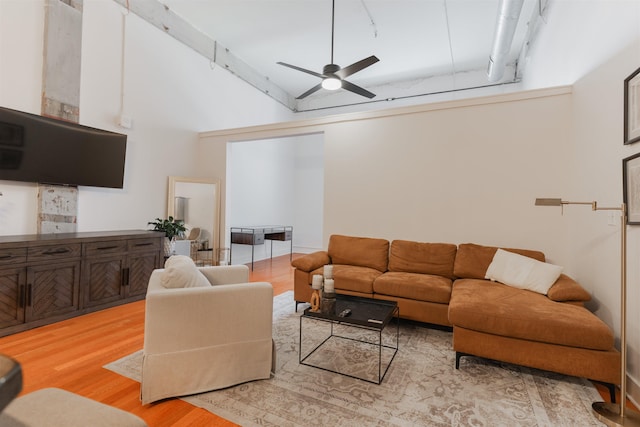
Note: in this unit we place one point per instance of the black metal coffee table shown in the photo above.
(366, 313)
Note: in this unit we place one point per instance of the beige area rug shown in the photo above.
(421, 388)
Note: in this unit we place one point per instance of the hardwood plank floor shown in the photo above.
(70, 355)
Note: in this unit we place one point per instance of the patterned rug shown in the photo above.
(421, 388)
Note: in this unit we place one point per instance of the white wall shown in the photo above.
(464, 174)
(21, 89)
(463, 171)
(170, 92)
(275, 182)
(308, 193)
(594, 45)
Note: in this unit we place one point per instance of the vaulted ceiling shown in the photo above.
(424, 46)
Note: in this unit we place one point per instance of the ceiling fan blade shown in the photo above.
(357, 89)
(313, 73)
(356, 66)
(310, 91)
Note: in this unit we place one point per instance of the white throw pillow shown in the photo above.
(181, 272)
(522, 272)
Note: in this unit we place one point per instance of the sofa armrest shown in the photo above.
(567, 289)
(311, 261)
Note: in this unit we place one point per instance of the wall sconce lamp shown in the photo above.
(612, 414)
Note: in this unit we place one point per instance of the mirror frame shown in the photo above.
(171, 194)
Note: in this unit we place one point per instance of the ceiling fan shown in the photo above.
(333, 77)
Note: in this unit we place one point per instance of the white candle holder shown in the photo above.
(316, 282)
(328, 271)
(329, 286)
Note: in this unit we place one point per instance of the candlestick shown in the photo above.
(328, 271)
(316, 281)
(329, 286)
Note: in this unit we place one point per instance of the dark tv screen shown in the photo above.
(49, 151)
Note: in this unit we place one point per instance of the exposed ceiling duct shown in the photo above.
(508, 16)
(454, 39)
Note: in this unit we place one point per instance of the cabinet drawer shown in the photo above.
(105, 248)
(13, 256)
(247, 238)
(137, 245)
(46, 253)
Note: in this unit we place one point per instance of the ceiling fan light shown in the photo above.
(332, 83)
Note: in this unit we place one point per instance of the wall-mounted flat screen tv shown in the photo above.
(49, 151)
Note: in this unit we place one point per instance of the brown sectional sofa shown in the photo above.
(444, 284)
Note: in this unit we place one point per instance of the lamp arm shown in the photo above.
(595, 207)
(592, 204)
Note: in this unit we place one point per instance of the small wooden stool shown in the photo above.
(53, 407)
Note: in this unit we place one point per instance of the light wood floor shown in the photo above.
(70, 355)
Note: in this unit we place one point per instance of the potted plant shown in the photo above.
(172, 229)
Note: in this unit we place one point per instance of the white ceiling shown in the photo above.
(424, 46)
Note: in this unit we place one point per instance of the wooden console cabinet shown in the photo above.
(46, 278)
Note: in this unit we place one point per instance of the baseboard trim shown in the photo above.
(633, 390)
(305, 250)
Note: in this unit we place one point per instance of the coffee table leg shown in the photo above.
(380, 358)
(300, 341)
(301, 359)
(395, 351)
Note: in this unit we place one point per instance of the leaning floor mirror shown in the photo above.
(196, 201)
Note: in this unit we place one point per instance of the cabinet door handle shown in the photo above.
(29, 295)
(21, 296)
(3, 257)
(144, 244)
(125, 276)
(106, 248)
(56, 251)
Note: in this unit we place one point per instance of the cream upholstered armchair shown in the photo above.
(205, 328)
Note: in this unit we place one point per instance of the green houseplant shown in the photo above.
(172, 229)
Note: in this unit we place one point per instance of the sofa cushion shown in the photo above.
(498, 309)
(414, 286)
(473, 260)
(522, 272)
(181, 272)
(359, 251)
(567, 289)
(425, 258)
(352, 278)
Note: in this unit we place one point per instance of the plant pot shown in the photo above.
(169, 246)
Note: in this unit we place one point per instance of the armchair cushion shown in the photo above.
(57, 407)
(181, 272)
